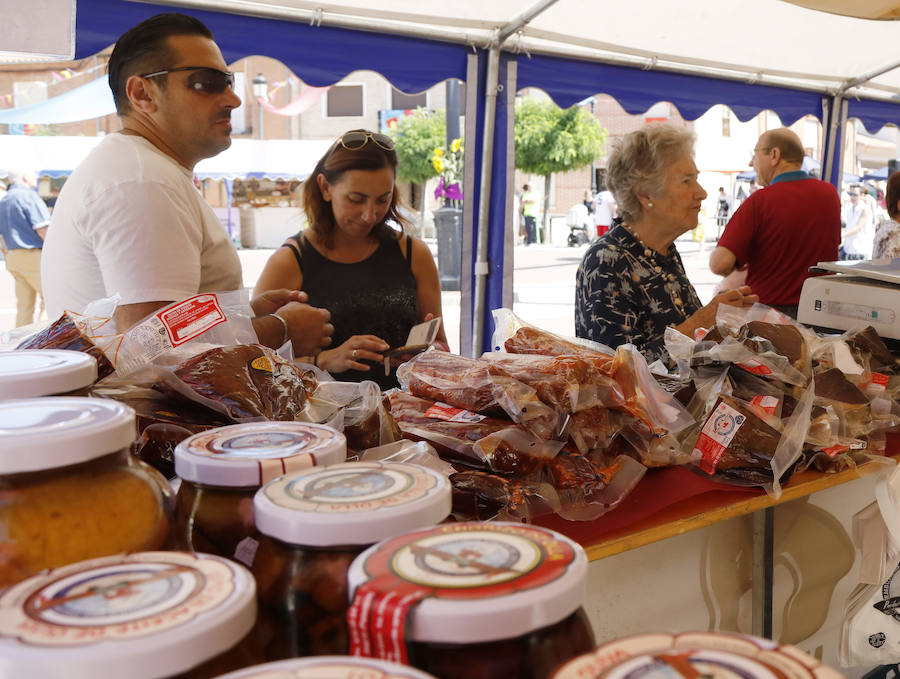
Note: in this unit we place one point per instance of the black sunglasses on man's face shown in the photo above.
(205, 79)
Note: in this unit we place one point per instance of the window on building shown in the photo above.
(726, 121)
(402, 102)
(345, 101)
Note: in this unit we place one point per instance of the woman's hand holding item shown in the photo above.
(706, 316)
(351, 354)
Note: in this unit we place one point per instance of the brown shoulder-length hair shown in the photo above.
(336, 161)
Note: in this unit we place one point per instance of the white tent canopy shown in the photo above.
(768, 41)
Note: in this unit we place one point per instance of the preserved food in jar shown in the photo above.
(695, 654)
(69, 487)
(314, 523)
(149, 615)
(472, 601)
(222, 468)
(330, 666)
(26, 374)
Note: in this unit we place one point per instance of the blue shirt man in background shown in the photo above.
(22, 213)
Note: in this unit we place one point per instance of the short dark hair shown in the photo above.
(892, 196)
(336, 161)
(142, 49)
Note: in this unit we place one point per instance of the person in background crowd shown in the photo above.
(129, 220)
(887, 235)
(588, 201)
(859, 229)
(528, 210)
(631, 284)
(22, 216)
(604, 211)
(377, 282)
(783, 229)
(723, 209)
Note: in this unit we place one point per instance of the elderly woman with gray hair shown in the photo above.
(631, 284)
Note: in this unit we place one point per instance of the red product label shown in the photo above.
(766, 403)
(700, 333)
(835, 450)
(755, 367)
(879, 379)
(718, 430)
(411, 567)
(442, 411)
(191, 318)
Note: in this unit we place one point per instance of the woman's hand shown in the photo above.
(349, 355)
(706, 316)
(272, 300)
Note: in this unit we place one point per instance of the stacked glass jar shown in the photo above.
(314, 524)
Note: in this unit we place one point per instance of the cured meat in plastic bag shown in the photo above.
(454, 432)
(481, 496)
(479, 386)
(75, 332)
(246, 382)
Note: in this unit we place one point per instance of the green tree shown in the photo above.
(550, 139)
(416, 136)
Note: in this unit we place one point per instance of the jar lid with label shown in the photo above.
(354, 503)
(146, 615)
(45, 372)
(718, 655)
(472, 582)
(250, 454)
(56, 431)
(330, 666)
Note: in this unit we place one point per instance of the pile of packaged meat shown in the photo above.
(542, 424)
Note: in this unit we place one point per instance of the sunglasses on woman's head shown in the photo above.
(206, 80)
(354, 141)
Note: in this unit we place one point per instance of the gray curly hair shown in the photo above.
(639, 164)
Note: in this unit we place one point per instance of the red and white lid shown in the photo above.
(354, 503)
(476, 581)
(717, 655)
(146, 615)
(251, 454)
(329, 667)
(57, 431)
(45, 372)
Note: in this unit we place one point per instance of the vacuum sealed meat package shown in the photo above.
(867, 343)
(358, 408)
(75, 332)
(464, 436)
(480, 496)
(477, 385)
(849, 402)
(245, 382)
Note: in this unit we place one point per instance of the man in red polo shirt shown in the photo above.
(783, 229)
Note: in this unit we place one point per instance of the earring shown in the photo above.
(649, 204)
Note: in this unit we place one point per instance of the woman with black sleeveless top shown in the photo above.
(377, 282)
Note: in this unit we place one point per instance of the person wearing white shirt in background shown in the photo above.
(859, 230)
(604, 211)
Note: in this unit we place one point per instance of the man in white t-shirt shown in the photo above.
(604, 211)
(130, 221)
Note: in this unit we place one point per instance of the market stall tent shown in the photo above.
(750, 56)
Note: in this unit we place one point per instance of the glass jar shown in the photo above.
(221, 469)
(69, 488)
(695, 654)
(149, 615)
(314, 524)
(330, 666)
(46, 372)
(472, 601)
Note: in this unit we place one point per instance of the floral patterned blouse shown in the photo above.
(626, 292)
(887, 240)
